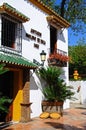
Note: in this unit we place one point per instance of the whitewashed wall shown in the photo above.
(83, 92)
(37, 22)
(81, 95)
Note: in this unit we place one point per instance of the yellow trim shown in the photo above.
(18, 95)
(55, 21)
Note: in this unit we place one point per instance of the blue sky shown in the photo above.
(71, 36)
(74, 38)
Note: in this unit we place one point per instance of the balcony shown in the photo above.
(58, 58)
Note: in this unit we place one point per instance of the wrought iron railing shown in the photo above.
(58, 57)
(58, 51)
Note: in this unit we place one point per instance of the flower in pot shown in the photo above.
(55, 90)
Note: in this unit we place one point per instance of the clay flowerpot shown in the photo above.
(52, 106)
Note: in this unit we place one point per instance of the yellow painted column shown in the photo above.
(18, 95)
(17, 107)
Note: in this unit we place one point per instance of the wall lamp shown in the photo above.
(43, 57)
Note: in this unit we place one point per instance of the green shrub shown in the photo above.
(55, 88)
(4, 101)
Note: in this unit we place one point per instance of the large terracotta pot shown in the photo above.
(50, 106)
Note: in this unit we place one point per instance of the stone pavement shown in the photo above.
(73, 119)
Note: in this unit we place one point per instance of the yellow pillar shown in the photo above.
(18, 95)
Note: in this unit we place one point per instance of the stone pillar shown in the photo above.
(25, 106)
(25, 112)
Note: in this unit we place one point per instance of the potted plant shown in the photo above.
(55, 90)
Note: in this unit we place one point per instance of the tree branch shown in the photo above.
(62, 8)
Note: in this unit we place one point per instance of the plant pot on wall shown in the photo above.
(52, 106)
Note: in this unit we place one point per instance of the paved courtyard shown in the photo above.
(73, 119)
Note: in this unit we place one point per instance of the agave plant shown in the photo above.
(55, 88)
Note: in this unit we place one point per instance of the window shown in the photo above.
(11, 36)
(53, 38)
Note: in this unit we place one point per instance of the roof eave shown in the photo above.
(53, 20)
(49, 11)
(16, 61)
(6, 8)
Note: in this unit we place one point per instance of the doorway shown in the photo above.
(53, 39)
(6, 88)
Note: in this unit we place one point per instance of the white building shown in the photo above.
(26, 28)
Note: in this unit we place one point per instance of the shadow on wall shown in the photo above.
(33, 84)
(36, 82)
(84, 102)
(26, 1)
(24, 34)
(61, 36)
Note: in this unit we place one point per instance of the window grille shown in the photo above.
(11, 33)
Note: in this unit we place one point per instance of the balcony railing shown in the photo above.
(58, 57)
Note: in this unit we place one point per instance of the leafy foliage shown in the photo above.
(50, 74)
(3, 103)
(3, 99)
(77, 54)
(3, 69)
(49, 2)
(55, 89)
(73, 11)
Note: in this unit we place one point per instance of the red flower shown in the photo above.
(58, 56)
